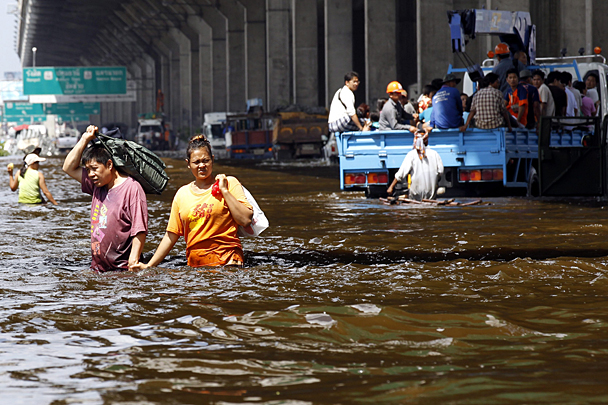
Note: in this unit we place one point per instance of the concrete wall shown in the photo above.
(222, 52)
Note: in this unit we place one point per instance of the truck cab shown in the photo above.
(150, 131)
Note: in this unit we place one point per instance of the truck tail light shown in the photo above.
(377, 178)
(486, 174)
(360, 178)
(475, 175)
(497, 174)
(354, 179)
(481, 175)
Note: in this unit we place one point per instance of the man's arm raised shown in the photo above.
(71, 165)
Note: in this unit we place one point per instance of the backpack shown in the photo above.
(138, 162)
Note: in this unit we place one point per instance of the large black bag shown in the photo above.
(138, 162)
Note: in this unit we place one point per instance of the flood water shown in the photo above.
(343, 300)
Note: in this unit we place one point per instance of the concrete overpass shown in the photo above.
(213, 55)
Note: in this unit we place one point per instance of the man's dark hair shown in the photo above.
(565, 77)
(428, 89)
(553, 76)
(374, 116)
(491, 78)
(512, 71)
(350, 75)
(437, 83)
(96, 152)
(504, 56)
(540, 73)
(483, 83)
(580, 86)
(595, 75)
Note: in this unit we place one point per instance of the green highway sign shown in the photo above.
(74, 80)
(22, 109)
(25, 119)
(72, 108)
(76, 117)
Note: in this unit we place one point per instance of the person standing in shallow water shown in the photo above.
(119, 210)
(207, 218)
(30, 181)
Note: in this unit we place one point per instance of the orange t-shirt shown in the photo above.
(207, 225)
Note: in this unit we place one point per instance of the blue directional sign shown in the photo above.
(74, 80)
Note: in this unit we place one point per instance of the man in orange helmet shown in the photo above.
(505, 63)
(392, 114)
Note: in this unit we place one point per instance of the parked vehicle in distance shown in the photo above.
(214, 126)
(150, 131)
(280, 135)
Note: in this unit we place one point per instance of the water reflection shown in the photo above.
(343, 300)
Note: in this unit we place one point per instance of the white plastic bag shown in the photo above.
(259, 222)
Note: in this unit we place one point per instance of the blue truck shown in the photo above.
(565, 157)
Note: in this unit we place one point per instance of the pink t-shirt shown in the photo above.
(117, 215)
(587, 107)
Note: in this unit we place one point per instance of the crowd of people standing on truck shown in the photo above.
(510, 96)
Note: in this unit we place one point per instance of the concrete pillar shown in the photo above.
(305, 47)
(219, 27)
(136, 74)
(599, 34)
(235, 43)
(338, 44)
(278, 53)
(380, 48)
(205, 65)
(255, 48)
(573, 36)
(173, 110)
(185, 78)
(434, 45)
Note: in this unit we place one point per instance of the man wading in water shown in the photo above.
(119, 211)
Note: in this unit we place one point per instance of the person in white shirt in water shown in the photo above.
(424, 165)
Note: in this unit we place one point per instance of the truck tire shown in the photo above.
(375, 191)
(533, 184)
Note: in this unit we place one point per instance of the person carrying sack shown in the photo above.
(119, 210)
(342, 112)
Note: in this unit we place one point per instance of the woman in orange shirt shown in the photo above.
(207, 215)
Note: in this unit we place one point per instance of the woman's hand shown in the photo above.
(223, 183)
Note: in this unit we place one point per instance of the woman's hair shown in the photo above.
(198, 142)
(23, 170)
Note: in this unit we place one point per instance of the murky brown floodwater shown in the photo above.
(343, 300)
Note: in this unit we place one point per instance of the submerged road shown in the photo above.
(343, 300)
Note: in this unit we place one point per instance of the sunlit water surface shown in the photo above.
(343, 300)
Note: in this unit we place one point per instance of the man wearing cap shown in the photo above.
(119, 211)
(392, 114)
(525, 78)
(505, 63)
(30, 181)
(447, 105)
